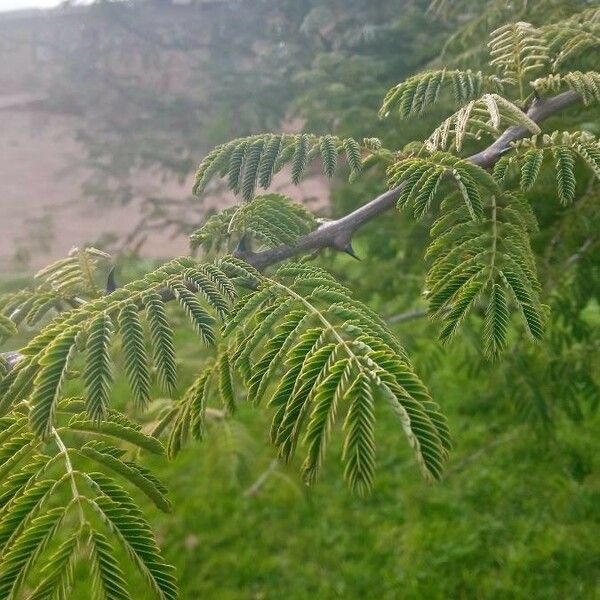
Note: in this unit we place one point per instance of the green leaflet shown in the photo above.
(359, 444)
(269, 220)
(134, 350)
(202, 321)
(269, 160)
(98, 366)
(565, 176)
(248, 162)
(226, 384)
(49, 380)
(299, 158)
(497, 320)
(107, 577)
(478, 263)
(58, 572)
(140, 477)
(353, 156)
(418, 180)
(329, 153)
(161, 336)
(117, 427)
(419, 92)
(251, 165)
(7, 328)
(236, 162)
(326, 399)
(135, 535)
(18, 561)
(532, 161)
(190, 415)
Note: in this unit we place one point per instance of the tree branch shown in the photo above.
(410, 315)
(261, 480)
(11, 358)
(337, 234)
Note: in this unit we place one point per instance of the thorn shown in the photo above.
(348, 249)
(242, 245)
(111, 283)
(12, 358)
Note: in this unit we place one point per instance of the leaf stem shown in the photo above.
(70, 471)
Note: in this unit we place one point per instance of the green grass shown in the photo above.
(516, 516)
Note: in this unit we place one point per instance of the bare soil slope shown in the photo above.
(43, 212)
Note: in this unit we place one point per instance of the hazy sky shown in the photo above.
(14, 4)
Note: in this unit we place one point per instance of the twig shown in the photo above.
(255, 487)
(11, 358)
(410, 315)
(471, 458)
(337, 234)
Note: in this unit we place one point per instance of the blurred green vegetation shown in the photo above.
(516, 516)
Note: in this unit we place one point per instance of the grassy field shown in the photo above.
(516, 516)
